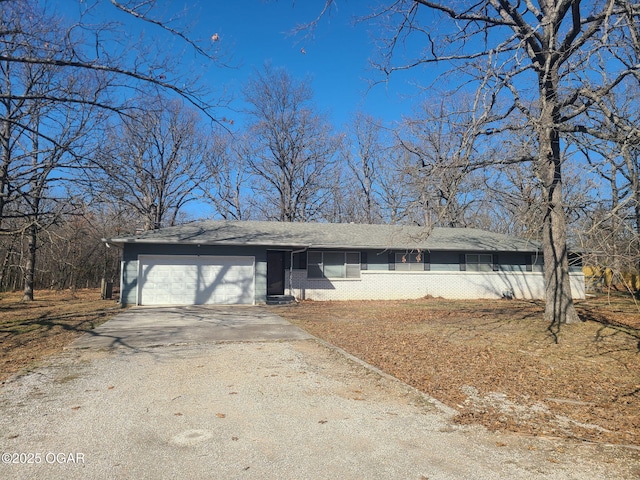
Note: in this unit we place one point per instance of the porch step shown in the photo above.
(280, 299)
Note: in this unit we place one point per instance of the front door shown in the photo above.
(275, 272)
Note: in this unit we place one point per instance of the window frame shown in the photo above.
(413, 262)
(478, 265)
(350, 269)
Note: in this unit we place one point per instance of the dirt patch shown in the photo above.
(498, 363)
(33, 330)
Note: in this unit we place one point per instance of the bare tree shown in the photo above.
(524, 56)
(73, 255)
(396, 200)
(226, 178)
(443, 139)
(70, 251)
(515, 198)
(52, 72)
(365, 152)
(611, 144)
(40, 137)
(40, 209)
(151, 162)
(292, 146)
(341, 202)
(89, 41)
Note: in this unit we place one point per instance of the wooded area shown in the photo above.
(538, 136)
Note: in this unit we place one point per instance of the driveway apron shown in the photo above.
(141, 327)
(239, 393)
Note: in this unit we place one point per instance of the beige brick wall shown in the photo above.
(385, 285)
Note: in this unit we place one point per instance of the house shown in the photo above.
(244, 262)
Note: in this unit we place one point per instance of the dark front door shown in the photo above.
(275, 272)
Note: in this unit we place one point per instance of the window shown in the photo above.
(333, 265)
(479, 262)
(409, 261)
(534, 263)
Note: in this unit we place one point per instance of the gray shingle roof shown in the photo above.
(330, 235)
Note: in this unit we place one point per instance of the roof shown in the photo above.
(329, 235)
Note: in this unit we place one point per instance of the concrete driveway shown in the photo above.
(238, 393)
(143, 327)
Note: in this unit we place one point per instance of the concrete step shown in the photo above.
(280, 299)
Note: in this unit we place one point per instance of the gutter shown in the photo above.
(110, 242)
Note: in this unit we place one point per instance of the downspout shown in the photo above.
(291, 270)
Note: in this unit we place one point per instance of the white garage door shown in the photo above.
(195, 280)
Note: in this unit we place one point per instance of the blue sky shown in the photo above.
(335, 58)
(252, 32)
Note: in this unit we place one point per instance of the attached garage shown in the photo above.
(248, 262)
(195, 280)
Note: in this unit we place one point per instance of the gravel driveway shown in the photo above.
(254, 408)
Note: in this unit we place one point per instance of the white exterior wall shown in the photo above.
(391, 285)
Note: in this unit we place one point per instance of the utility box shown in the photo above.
(106, 290)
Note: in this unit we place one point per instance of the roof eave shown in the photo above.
(120, 242)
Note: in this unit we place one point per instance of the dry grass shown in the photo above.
(497, 362)
(31, 331)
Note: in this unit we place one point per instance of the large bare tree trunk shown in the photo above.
(30, 267)
(35, 193)
(559, 306)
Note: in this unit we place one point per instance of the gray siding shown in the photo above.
(376, 260)
(130, 264)
(129, 284)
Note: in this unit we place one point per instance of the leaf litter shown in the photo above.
(497, 363)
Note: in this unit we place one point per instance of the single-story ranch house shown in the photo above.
(244, 262)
